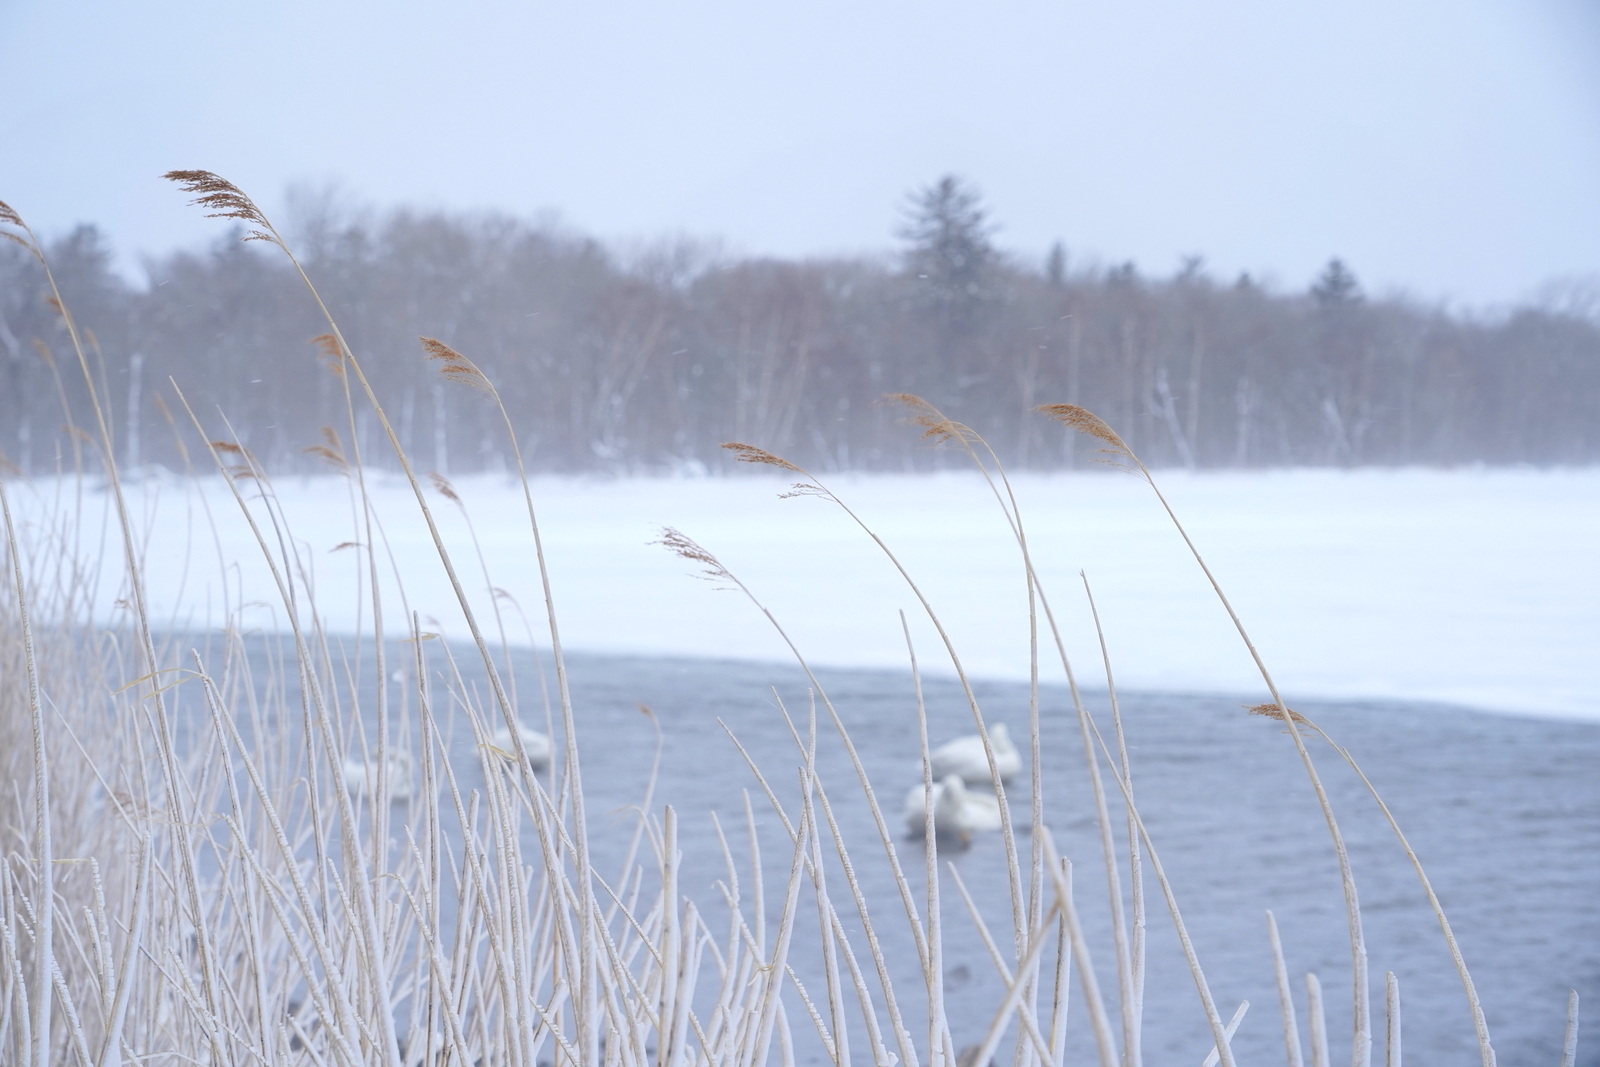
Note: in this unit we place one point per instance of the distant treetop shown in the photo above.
(948, 231)
(1336, 286)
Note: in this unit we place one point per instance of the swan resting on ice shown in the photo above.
(957, 812)
(534, 743)
(965, 757)
(361, 776)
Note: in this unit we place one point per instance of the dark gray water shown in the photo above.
(1504, 813)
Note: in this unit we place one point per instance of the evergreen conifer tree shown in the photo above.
(950, 257)
(1336, 286)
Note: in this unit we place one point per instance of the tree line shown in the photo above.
(645, 361)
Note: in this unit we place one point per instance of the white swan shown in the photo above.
(965, 756)
(956, 812)
(361, 776)
(534, 743)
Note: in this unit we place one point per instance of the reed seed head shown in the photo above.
(331, 450)
(442, 484)
(751, 454)
(805, 489)
(936, 427)
(224, 200)
(242, 471)
(457, 368)
(685, 547)
(9, 217)
(1086, 422)
(1274, 711)
(332, 352)
(1116, 453)
(327, 455)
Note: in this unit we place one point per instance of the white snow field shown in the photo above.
(1477, 587)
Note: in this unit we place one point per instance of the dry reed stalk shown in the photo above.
(1474, 1003)
(939, 1051)
(1569, 1040)
(209, 988)
(1017, 987)
(230, 202)
(1291, 1028)
(43, 933)
(1130, 956)
(1228, 1031)
(813, 486)
(1391, 1014)
(1207, 1002)
(107, 454)
(941, 429)
(1061, 874)
(1084, 421)
(1319, 1022)
(713, 569)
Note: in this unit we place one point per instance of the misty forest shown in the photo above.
(644, 359)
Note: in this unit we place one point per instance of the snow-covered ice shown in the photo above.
(1477, 587)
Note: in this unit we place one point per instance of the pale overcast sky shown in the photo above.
(1450, 147)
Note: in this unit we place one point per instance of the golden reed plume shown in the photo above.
(331, 452)
(1087, 422)
(224, 200)
(1273, 711)
(936, 426)
(751, 454)
(457, 368)
(684, 546)
(9, 217)
(332, 352)
(442, 485)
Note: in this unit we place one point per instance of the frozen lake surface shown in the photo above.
(1473, 587)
